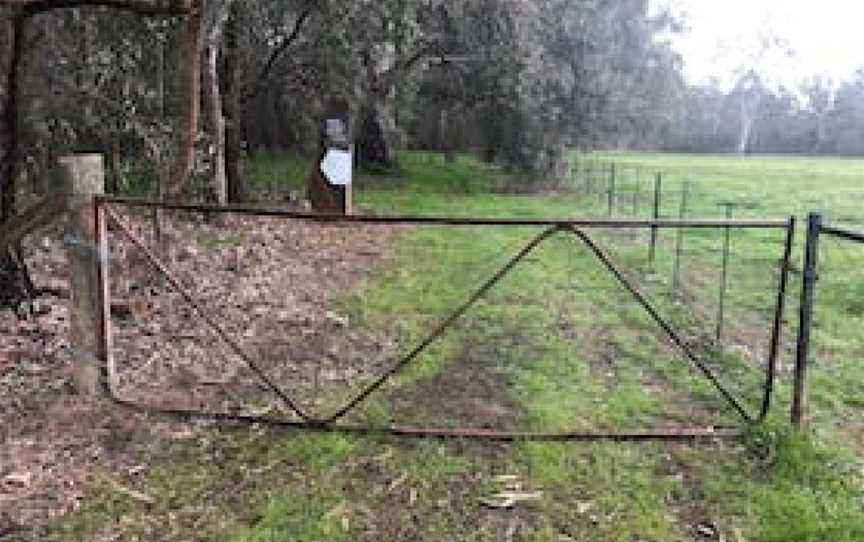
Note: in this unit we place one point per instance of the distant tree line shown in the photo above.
(818, 117)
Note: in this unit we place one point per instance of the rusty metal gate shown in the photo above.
(109, 217)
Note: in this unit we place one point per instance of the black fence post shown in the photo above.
(679, 240)
(658, 187)
(805, 320)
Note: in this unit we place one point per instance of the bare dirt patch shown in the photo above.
(471, 391)
(271, 284)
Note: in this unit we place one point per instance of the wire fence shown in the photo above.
(694, 264)
(829, 310)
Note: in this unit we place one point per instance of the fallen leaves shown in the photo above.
(270, 281)
(18, 480)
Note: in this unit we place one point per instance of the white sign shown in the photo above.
(338, 167)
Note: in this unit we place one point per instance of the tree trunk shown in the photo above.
(745, 129)
(190, 59)
(214, 119)
(10, 49)
(233, 109)
(446, 135)
(372, 144)
(215, 125)
(749, 112)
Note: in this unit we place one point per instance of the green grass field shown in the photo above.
(780, 186)
(558, 346)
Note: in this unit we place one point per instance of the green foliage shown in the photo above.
(424, 173)
(275, 175)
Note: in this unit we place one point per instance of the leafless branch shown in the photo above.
(274, 56)
(152, 8)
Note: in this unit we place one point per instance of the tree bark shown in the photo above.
(11, 24)
(372, 144)
(190, 59)
(214, 119)
(214, 122)
(233, 111)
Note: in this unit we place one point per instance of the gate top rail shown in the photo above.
(842, 233)
(443, 221)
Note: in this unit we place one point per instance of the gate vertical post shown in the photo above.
(83, 177)
(805, 320)
(779, 314)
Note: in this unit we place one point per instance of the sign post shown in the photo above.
(333, 172)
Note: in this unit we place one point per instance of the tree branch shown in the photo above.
(151, 8)
(390, 77)
(274, 57)
(217, 25)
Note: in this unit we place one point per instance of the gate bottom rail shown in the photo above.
(650, 435)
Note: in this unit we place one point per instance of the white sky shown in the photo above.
(827, 37)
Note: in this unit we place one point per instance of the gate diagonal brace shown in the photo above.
(660, 321)
(445, 324)
(484, 289)
(232, 344)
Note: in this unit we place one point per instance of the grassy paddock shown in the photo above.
(563, 348)
(783, 186)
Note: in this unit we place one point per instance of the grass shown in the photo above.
(783, 186)
(557, 346)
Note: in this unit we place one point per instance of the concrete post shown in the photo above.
(83, 177)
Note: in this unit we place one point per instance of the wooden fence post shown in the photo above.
(83, 177)
(330, 191)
